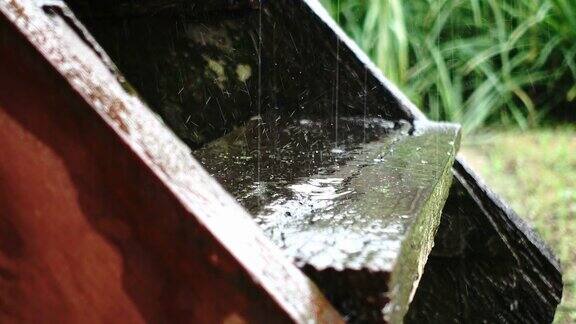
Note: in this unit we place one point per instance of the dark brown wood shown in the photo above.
(359, 218)
(487, 265)
(104, 215)
(135, 8)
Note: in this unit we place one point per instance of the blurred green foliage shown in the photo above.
(505, 62)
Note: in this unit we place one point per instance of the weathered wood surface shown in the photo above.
(301, 66)
(359, 218)
(206, 72)
(104, 215)
(135, 8)
(487, 265)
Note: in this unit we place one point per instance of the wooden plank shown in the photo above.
(303, 65)
(360, 217)
(135, 8)
(487, 265)
(105, 214)
(207, 75)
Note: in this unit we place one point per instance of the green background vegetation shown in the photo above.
(504, 69)
(475, 62)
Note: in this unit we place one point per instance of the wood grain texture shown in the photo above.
(299, 65)
(487, 265)
(309, 68)
(105, 216)
(134, 8)
(360, 219)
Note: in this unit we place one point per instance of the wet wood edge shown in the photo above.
(404, 103)
(495, 209)
(461, 167)
(518, 223)
(171, 161)
(423, 231)
(487, 264)
(491, 203)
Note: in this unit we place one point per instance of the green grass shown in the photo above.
(505, 62)
(536, 173)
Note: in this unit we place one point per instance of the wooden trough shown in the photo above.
(233, 162)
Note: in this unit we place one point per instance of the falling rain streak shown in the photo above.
(337, 83)
(259, 149)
